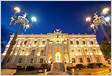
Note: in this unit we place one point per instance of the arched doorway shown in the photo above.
(58, 57)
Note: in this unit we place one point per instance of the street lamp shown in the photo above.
(33, 19)
(99, 19)
(88, 19)
(105, 10)
(17, 9)
(22, 21)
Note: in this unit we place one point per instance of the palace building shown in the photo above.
(54, 47)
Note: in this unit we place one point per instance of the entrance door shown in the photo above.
(58, 57)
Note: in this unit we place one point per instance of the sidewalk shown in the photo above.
(8, 71)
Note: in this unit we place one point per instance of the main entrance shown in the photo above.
(58, 57)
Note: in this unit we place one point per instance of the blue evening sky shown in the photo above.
(67, 16)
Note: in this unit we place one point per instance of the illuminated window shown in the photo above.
(77, 42)
(88, 59)
(58, 57)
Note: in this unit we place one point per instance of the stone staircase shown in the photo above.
(57, 69)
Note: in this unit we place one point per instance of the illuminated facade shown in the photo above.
(55, 47)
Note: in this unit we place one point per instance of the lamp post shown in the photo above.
(100, 20)
(21, 20)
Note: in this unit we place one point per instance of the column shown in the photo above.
(62, 53)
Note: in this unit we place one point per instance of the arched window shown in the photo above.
(84, 42)
(77, 42)
(91, 42)
(43, 42)
(71, 42)
(25, 42)
(35, 42)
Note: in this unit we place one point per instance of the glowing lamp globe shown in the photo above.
(17, 10)
(88, 19)
(107, 19)
(105, 10)
(33, 19)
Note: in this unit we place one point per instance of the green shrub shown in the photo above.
(99, 65)
(92, 65)
(79, 66)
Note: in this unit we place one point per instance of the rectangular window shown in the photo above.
(73, 60)
(77, 42)
(41, 60)
(97, 59)
(33, 52)
(71, 42)
(72, 50)
(35, 42)
(31, 60)
(91, 42)
(84, 43)
(20, 60)
(21, 42)
(25, 42)
(88, 59)
(80, 60)
(42, 52)
(43, 42)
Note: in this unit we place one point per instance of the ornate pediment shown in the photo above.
(57, 36)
